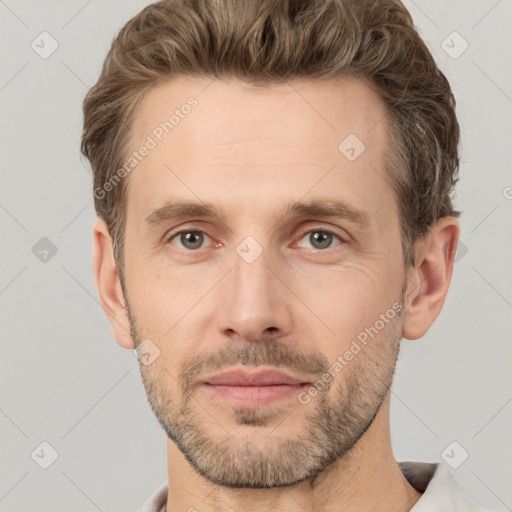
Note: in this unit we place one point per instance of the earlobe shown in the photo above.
(429, 280)
(109, 285)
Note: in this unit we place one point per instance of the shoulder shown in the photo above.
(439, 488)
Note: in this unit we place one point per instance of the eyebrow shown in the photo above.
(330, 208)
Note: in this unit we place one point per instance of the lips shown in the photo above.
(260, 388)
(239, 377)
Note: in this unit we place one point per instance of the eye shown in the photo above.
(193, 239)
(320, 238)
(190, 239)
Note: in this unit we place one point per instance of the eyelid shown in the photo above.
(186, 227)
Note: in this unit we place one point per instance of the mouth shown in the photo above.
(262, 387)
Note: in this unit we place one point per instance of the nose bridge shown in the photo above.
(252, 301)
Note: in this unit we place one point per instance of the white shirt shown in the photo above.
(434, 480)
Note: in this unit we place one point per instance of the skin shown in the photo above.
(249, 151)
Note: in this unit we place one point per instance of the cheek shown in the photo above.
(161, 295)
(347, 298)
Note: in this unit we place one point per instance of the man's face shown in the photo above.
(258, 285)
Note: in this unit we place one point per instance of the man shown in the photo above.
(273, 182)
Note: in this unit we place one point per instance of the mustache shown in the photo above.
(264, 352)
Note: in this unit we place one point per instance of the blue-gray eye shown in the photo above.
(320, 238)
(190, 239)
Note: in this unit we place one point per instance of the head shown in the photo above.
(273, 183)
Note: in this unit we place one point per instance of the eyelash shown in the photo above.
(320, 230)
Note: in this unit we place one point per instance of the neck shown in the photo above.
(366, 478)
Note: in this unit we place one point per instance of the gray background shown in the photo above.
(63, 378)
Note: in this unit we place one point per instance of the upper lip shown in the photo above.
(239, 377)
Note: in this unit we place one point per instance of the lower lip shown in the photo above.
(255, 395)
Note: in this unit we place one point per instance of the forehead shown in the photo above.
(209, 137)
(321, 110)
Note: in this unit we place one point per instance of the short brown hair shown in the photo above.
(272, 41)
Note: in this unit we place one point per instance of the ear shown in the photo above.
(429, 279)
(109, 284)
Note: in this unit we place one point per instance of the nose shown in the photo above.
(253, 301)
